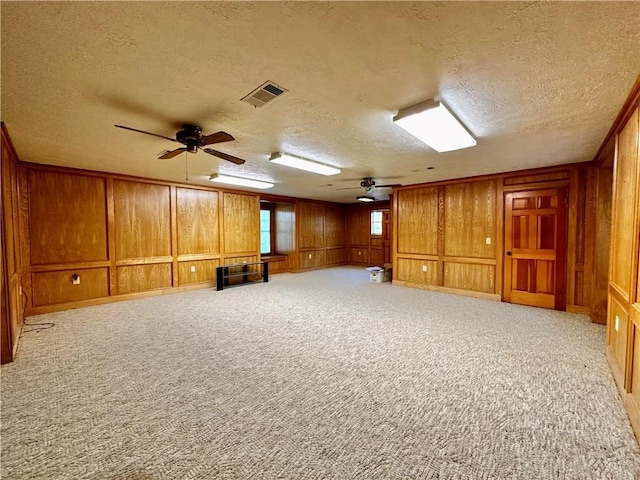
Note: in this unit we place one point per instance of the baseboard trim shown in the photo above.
(455, 291)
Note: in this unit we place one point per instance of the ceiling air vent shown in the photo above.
(264, 94)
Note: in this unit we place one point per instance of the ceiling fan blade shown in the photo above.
(389, 186)
(224, 156)
(146, 133)
(349, 188)
(217, 137)
(171, 153)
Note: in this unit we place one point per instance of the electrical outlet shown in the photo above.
(75, 279)
(359, 252)
(617, 323)
(193, 269)
(488, 240)
(309, 256)
(424, 268)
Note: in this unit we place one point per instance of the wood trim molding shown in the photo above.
(630, 104)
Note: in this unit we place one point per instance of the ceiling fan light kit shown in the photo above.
(241, 182)
(365, 198)
(293, 161)
(432, 123)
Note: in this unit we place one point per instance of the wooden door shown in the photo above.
(534, 247)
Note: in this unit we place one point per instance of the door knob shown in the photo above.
(509, 253)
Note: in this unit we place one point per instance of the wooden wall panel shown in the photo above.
(624, 227)
(634, 386)
(310, 224)
(68, 222)
(142, 220)
(205, 271)
(418, 221)
(618, 332)
(310, 259)
(469, 219)
(376, 256)
(285, 228)
(139, 278)
(51, 288)
(359, 255)
(411, 271)
(467, 276)
(334, 226)
(14, 262)
(241, 223)
(359, 225)
(335, 256)
(279, 264)
(197, 221)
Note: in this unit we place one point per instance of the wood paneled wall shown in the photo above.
(623, 315)
(364, 248)
(321, 235)
(449, 235)
(442, 233)
(121, 236)
(92, 237)
(12, 260)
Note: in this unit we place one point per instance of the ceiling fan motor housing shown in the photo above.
(189, 136)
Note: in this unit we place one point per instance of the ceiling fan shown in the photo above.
(369, 184)
(192, 139)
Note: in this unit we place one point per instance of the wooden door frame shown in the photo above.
(560, 293)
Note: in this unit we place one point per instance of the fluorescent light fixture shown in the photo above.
(432, 123)
(294, 161)
(242, 182)
(365, 198)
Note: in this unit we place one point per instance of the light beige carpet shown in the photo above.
(321, 375)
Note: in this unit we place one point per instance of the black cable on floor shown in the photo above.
(39, 326)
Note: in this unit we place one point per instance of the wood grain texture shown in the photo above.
(68, 218)
(205, 271)
(139, 278)
(310, 259)
(617, 338)
(241, 215)
(142, 220)
(50, 288)
(335, 234)
(376, 257)
(336, 256)
(602, 244)
(197, 221)
(536, 178)
(285, 228)
(310, 216)
(625, 198)
(411, 271)
(417, 220)
(634, 386)
(469, 212)
(359, 225)
(14, 261)
(467, 276)
(359, 255)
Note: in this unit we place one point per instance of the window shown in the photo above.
(265, 232)
(376, 222)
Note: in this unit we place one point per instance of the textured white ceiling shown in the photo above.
(536, 83)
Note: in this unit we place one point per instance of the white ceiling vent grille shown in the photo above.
(264, 94)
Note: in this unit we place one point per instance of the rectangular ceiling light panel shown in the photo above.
(432, 123)
(241, 182)
(300, 163)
